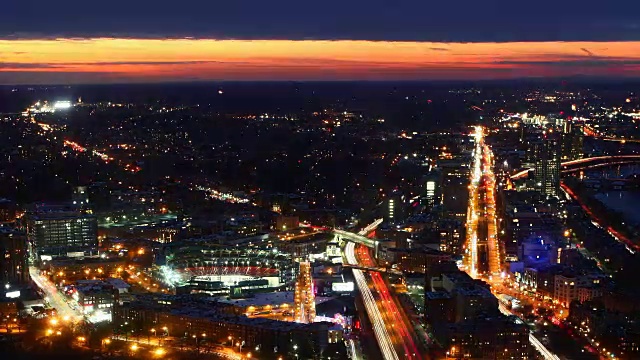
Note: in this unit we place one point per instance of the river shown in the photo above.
(625, 202)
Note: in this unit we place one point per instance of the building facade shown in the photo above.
(192, 318)
(572, 141)
(56, 234)
(13, 257)
(547, 157)
(489, 338)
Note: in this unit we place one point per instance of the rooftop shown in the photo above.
(435, 295)
(261, 299)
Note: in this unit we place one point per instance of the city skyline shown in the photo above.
(320, 180)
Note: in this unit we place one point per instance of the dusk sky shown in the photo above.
(73, 41)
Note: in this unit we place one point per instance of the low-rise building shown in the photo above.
(70, 270)
(413, 260)
(95, 296)
(565, 288)
(284, 223)
(197, 317)
(499, 337)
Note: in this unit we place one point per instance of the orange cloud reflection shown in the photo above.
(129, 60)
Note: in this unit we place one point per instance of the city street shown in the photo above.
(152, 345)
(54, 297)
(481, 210)
(482, 206)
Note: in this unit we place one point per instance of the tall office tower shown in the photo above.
(572, 141)
(393, 210)
(55, 232)
(432, 194)
(547, 165)
(13, 257)
(305, 305)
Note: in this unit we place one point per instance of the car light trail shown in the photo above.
(55, 298)
(490, 212)
(472, 210)
(379, 328)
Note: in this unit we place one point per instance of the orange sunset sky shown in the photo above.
(149, 60)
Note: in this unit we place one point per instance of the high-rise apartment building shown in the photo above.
(547, 165)
(572, 141)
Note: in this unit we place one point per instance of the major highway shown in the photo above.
(398, 324)
(392, 328)
(373, 312)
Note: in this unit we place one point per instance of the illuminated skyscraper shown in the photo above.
(572, 141)
(394, 210)
(547, 165)
(305, 305)
(433, 189)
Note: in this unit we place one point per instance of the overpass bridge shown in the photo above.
(586, 164)
(356, 238)
(376, 269)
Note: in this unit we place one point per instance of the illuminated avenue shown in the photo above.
(481, 213)
(482, 208)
